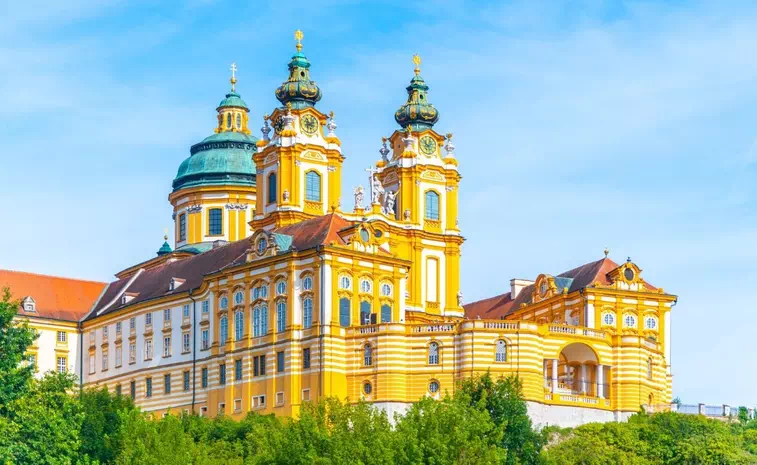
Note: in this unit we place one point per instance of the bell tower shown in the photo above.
(423, 182)
(299, 159)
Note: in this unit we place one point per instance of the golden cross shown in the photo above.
(417, 61)
(233, 69)
(298, 35)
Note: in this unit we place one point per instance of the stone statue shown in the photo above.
(286, 195)
(376, 190)
(359, 194)
(406, 214)
(459, 298)
(389, 199)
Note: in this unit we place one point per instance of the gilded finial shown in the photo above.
(266, 117)
(233, 79)
(331, 114)
(289, 105)
(298, 35)
(607, 252)
(449, 136)
(417, 61)
(165, 234)
(409, 129)
(384, 139)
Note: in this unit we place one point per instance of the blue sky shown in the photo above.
(579, 125)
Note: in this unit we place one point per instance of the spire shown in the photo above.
(232, 111)
(298, 89)
(165, 248)
(417, 111)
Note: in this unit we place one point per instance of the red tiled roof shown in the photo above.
(322, 230)
(55, 297)
(502, 305)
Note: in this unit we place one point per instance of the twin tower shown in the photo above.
(234, 183)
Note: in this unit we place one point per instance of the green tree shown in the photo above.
(15, 339)
(101, 426)
(503, 400)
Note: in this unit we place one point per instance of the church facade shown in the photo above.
(277, 294)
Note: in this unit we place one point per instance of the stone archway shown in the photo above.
(576, 371)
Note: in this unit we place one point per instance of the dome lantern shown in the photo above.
(417, 111)
(298, 89)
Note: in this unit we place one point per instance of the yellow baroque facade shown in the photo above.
(278, 294)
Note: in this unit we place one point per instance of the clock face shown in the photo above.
(278, 124)
(309, 124)
(428, 145)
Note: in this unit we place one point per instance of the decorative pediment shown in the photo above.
(267, 244)
(627, 277)
(544, 288)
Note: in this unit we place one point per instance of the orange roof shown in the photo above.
(55, 297)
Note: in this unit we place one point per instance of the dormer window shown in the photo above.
(127, 297)
(29, 305)
(175, 283)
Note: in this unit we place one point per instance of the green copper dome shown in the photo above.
(232, 100)
(299, 90)
(164, 249)
(417, 111)
(221, 159)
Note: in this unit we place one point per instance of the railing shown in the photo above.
(722, 412)
(577, 331)
(372, 329)
(443, 328)
(650, 344)
(688, 409)
(500, 325)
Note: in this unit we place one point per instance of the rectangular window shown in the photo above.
(133, 390)
(148, 319)
(306, 358)
(167, 346)
(386, 313)
(215, 222)
(280, 362)
(118, 356)
(132, 352)
(222, 373)
(237, 405)
(258, 401)
(203, 411)
(91, 363)
(238, 370)
(167, 383)
(182, 227)
(105, 332)
(432, 206)
(118, 390)
(344, 312)
(279, 398)
(281, 316)
(148, 349)
(256, 366)
(205, 339)
(118, 327)
(186, 381)
(185, 311)
(167, 314)
(272, 188)
(204, 377)
(61, 336)
(185, 339)
(306, 395)
(148, 387)
(62, 364)
(432, 276)
(313, 186)
(205, 306)
(133, 323)
(105, 360)
(222, 408)
(33, 362)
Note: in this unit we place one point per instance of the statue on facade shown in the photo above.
(389, 198)
(376, 190)
(459, 298)
(359, 194)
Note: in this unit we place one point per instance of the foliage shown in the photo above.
(15, 338)
(663, 438)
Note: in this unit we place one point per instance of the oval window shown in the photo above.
(367, 388)
(433, 387)
(629, 274)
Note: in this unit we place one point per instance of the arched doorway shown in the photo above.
(576, 371)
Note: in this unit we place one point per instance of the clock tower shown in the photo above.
(299, 159)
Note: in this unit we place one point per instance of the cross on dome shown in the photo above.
(233, 69)
(298, 36)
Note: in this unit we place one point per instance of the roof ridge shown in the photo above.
(53, 276)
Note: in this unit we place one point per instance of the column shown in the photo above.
(544, 367)
(554, 374)
(583, 378)
(600, 381)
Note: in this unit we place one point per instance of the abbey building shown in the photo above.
(278, 292)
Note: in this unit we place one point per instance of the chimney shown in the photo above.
(517, 285)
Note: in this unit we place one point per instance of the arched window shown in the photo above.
(256, 322)
(386, 289)
(238, 298)
(433, 386)
(432, 206)
(365, 286)
(649, 368)
(281, 316)
(223, 330)
(239, 121)
(263, 319)
(238, 326)
(281, 288)
(501, 351)
(272, 188)
(313, 186)
(228, 120)
(307, 313)
(433, 353)
(365, 313)
(224, 304)
(344, 312)
(367, 355)
(386, 313)
(609, 319)
(650, 322)
(215, 222)
(629, 321)
(345, 282)
(307, 283)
